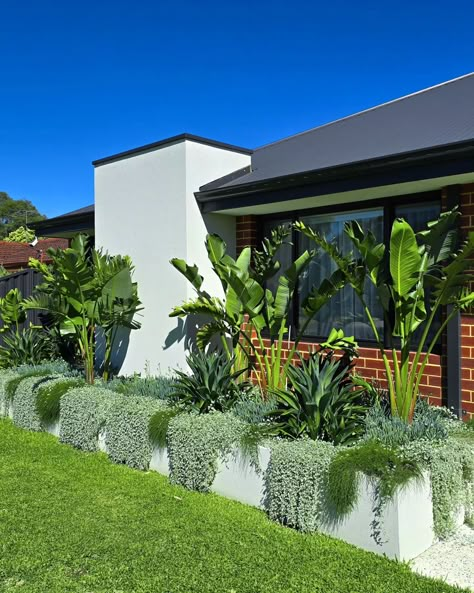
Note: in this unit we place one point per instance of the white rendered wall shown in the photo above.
(145, 207)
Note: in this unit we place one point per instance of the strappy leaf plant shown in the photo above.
(85, 289)
(251, 320)
(417, 277)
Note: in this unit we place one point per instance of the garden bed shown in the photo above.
(287, 479)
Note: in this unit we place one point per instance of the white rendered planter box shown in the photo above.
(53, 428)
(159, 461)
(101, 443)
(406, 523)
(237, 478)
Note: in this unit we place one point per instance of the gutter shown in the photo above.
(442, 161)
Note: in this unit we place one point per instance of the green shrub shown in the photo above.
(195, 441)
(30, 345)
(83, 413)
(429, 423)
(295, 483)
(5, 377)
(127, 437)
(25, 413)
(321, 401)
(253, 409)
(451, 466)
(49, 395)
(11, 385)
(160, 387)
(53, 367)
(212, 384)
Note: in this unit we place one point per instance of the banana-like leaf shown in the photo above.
(405, 258)
(441, 236)
(288, 282)
(191, 273)
(207, 331)
(249, 295)
(216, 248)
(372, 252)
(456, 274)
(201, 305)
(322, 294)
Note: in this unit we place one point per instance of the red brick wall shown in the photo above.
(370, 364)
(246, 229)
(467, 319)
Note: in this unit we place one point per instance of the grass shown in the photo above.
(74, 522)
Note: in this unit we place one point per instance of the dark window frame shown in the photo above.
(388, 205)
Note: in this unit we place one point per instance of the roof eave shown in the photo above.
(449, 159)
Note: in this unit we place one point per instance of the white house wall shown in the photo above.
(145, 208)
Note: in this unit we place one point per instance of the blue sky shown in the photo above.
(83, 80)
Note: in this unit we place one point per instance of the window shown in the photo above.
(344, 310)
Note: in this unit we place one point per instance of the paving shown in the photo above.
(451, 560)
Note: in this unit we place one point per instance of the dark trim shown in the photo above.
(414, 166)
(227, 178)
(453, 332)
(61, 225)
(168, 141)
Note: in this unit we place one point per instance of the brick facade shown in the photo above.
(370, 364)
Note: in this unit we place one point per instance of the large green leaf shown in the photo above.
(372, 252)
(287, 284)
(405, 257)
(191, 273)
(216, 248)
(441, 236)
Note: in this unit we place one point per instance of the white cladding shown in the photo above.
(145, 208)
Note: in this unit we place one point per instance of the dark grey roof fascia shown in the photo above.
(453, 159)
(167, 142)
(75, 221)
(226, 178)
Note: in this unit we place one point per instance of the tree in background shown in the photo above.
(15, 213)
(20, 235)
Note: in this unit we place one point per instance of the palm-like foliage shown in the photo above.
(249, 309)
(320, 401)
(85, 289)
(414, 279)
(212, 384)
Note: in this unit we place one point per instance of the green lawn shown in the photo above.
(71, 521)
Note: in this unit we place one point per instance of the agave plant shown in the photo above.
(321, 401)
(419, 275)
(212, 384)
(28, 346)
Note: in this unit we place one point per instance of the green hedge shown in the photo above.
(83, 413)
(195, 443)
(127, 435)
(25, 414)
(49, 394)
(451, 466)
(296, 482)
(5, 376)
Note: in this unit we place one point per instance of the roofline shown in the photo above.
(167, 142)
(335, 121)
(66, 223)
(450, 159)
